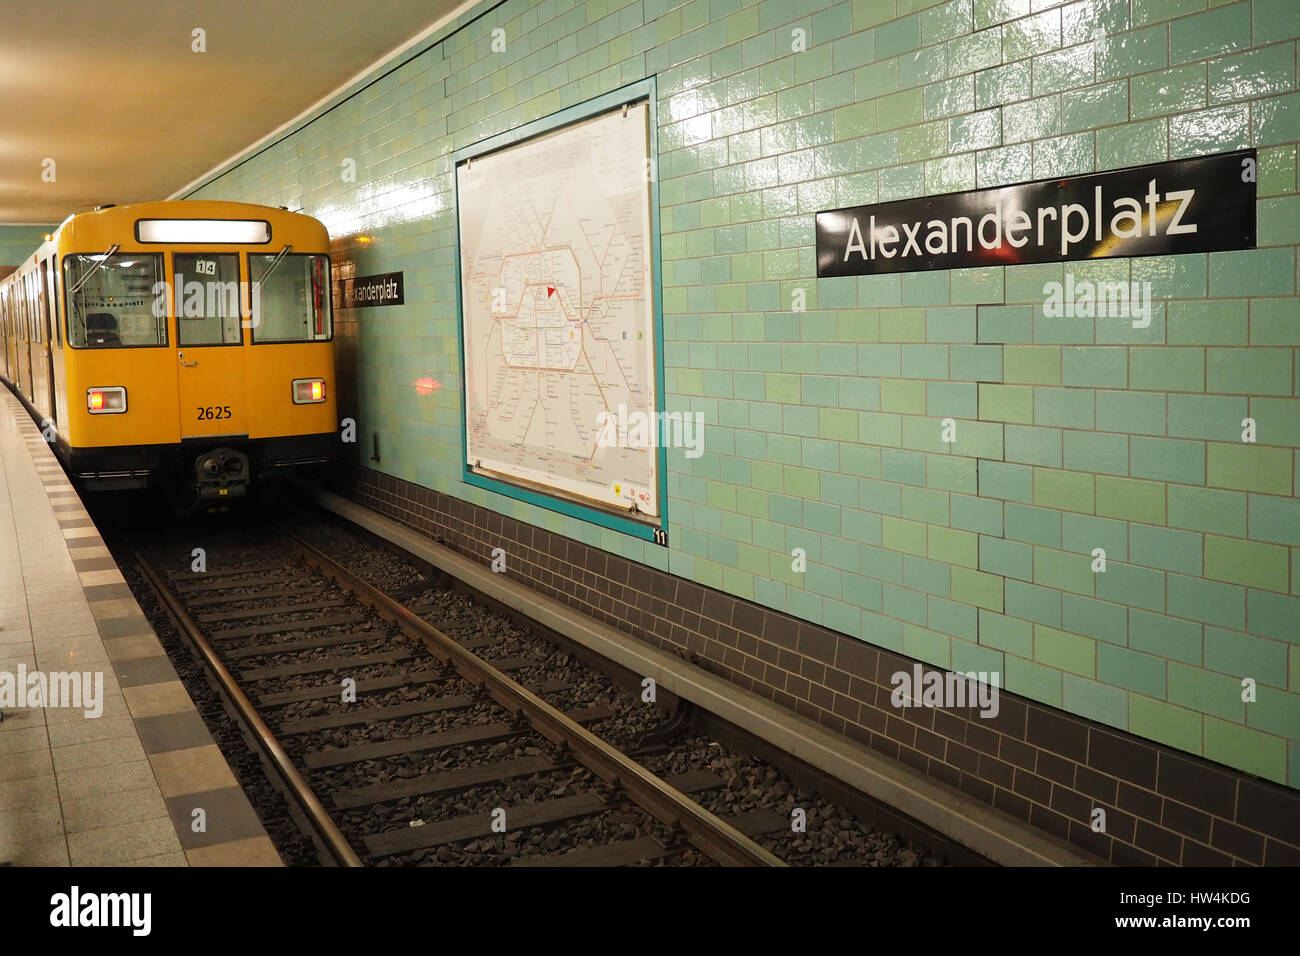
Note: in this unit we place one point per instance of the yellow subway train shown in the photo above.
(181, 344)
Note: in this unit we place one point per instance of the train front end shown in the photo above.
(200, 353)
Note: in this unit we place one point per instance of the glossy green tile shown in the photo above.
(974, 51)
(922, 142)
(1063, 490)
(1168, 91)
(1127, 54)
(1209, 131)
(1277, 170)
(1273, 615)
(1166, 637)
(1251, 750)
(1142, 673)
(1131, 499)
(1133, 144)
(1165, 723)
(1006, 403)
(1260, 72)
(1003, 84)
(1166, 548)
(1276, 19)
(1065, 69)
(975, 131)
(1099, 367)
(1276, 221)
(1276, 120)
(1249, 371)
(1206, 601)
(1031, 365)
(1063, 571)
(992, 12)
(945, 21)
(1095, 700)
(977, 588)
(1247, 562)
(1031, 119)
(1092, 19)
(1033, 446)
(1097, 452)
(1064, 407)
(1258, 272)
(1149, 11)
(1275, 519)
(1249, 468)
(1010, 164)
(1204, 509)
(1068, 652)
(1208, 416)
(1103, 105)
(1167, 369)
(1032, 603)
(1165, 459)
(1008, 558)
(898, 36)
(927, 65)
(1032, 35)
(1208, 34)
(1136, 413)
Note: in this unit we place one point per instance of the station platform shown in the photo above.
(117, 778)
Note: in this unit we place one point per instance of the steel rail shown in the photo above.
(721, 841)
(332, 839)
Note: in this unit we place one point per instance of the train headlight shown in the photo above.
(106, 401)
(308, 391)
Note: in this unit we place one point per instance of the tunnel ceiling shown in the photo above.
(116, 96)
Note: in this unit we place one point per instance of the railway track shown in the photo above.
(398, 743)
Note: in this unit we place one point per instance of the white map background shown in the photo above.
(557, 308)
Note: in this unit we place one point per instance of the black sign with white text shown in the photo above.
(364, 291)
(1190, 205)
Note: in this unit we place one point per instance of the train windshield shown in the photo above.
(291, 297)
(115, 301)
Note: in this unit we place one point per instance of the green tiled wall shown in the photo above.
(19, 242)
(823, 425)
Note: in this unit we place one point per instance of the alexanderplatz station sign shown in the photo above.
(1191, 205)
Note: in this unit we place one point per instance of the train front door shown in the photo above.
(210, 345)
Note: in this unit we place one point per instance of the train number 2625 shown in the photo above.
(209, 412)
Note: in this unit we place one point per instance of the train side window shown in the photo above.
(207, 298)
(118, 302)
(33, 308)
(51, 274)
(42, 303)
(291, 298)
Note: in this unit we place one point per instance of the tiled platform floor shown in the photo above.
(120, 788)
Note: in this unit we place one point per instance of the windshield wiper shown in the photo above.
(275, 262)
(99, 264)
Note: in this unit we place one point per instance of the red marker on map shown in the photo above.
(550, 291)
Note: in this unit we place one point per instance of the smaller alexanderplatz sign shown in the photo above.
(1191, 205)
(362, 291)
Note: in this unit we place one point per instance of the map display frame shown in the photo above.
(560, 316)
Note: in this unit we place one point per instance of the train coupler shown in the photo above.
(222, 473)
